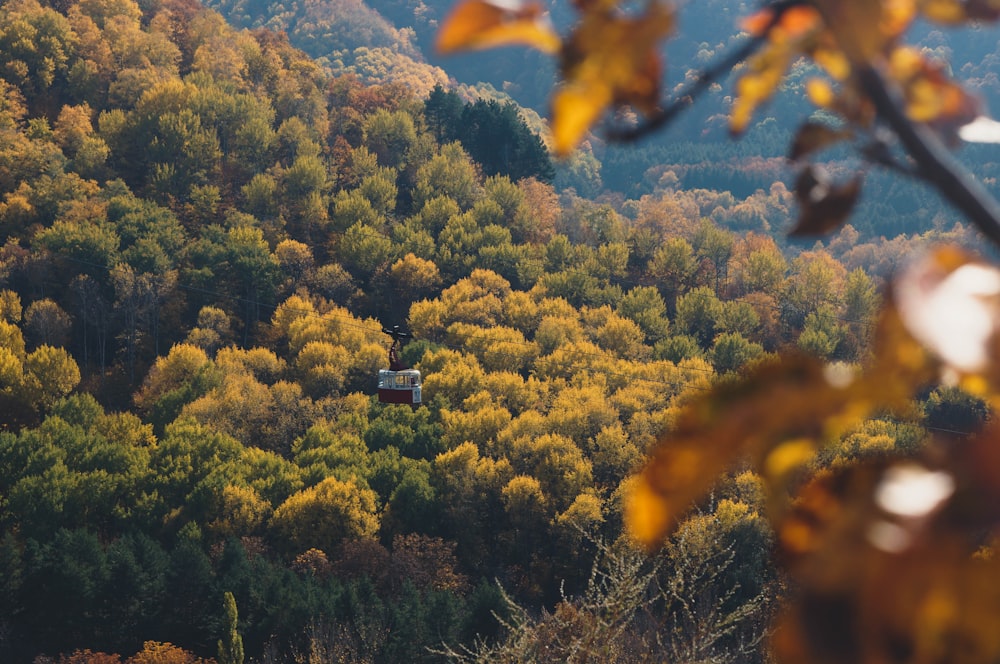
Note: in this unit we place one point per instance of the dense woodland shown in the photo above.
(392, 41)
(204, 233)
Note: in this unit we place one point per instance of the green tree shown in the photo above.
(714, 245)
(390, 135)
(731, 351)
(254, 268)
(673, 265)
(230, 647)
(822, 334)
(861, 303)
(499, 140)
(757, 264)
(443, 112)
(450, 173)
(699, 314)
(364, 251)
(955, 411)
(646, 307)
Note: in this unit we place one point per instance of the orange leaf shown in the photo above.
(646, 514)
(931, 96)
(795, 22)
(479, 24)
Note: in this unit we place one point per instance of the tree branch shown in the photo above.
(705, 79)
(934, 161)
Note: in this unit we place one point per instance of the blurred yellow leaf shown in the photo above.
(820, 93)
(833, 61)
(792, 399)
(787, 458)
(944, 11)
(882, 559)
(479, 24)
(795, 22)
(610, 59)
(766, 69)
(931, 96)
(575, 109)
(864, 29)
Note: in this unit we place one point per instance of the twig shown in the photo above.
(705, 79)
(933, 159)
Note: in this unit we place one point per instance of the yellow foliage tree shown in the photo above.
(325, 515)
(882, 554)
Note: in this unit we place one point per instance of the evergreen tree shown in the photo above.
(231, 644)
(500, 141)
(443, 111)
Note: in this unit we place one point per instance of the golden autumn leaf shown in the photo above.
(954, 12)
(881, 555)
(833, 61)
(609, 59)
(820, 93)
(480, 24)
(787, 37)
(575, 109)
(765, 72)
(930, 95)
(950, 12)
(741, 420)
(864, 29)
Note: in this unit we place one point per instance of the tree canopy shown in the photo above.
(205, 231)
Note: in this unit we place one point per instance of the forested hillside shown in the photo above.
(393, 41)
(204, 233)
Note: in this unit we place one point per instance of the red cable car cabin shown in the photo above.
(399, 383)
(399, 386)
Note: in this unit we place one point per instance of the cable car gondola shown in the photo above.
(399, 383)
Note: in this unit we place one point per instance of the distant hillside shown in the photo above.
(345, 35)
(391, 41)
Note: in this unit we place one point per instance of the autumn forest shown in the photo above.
(207, 220)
